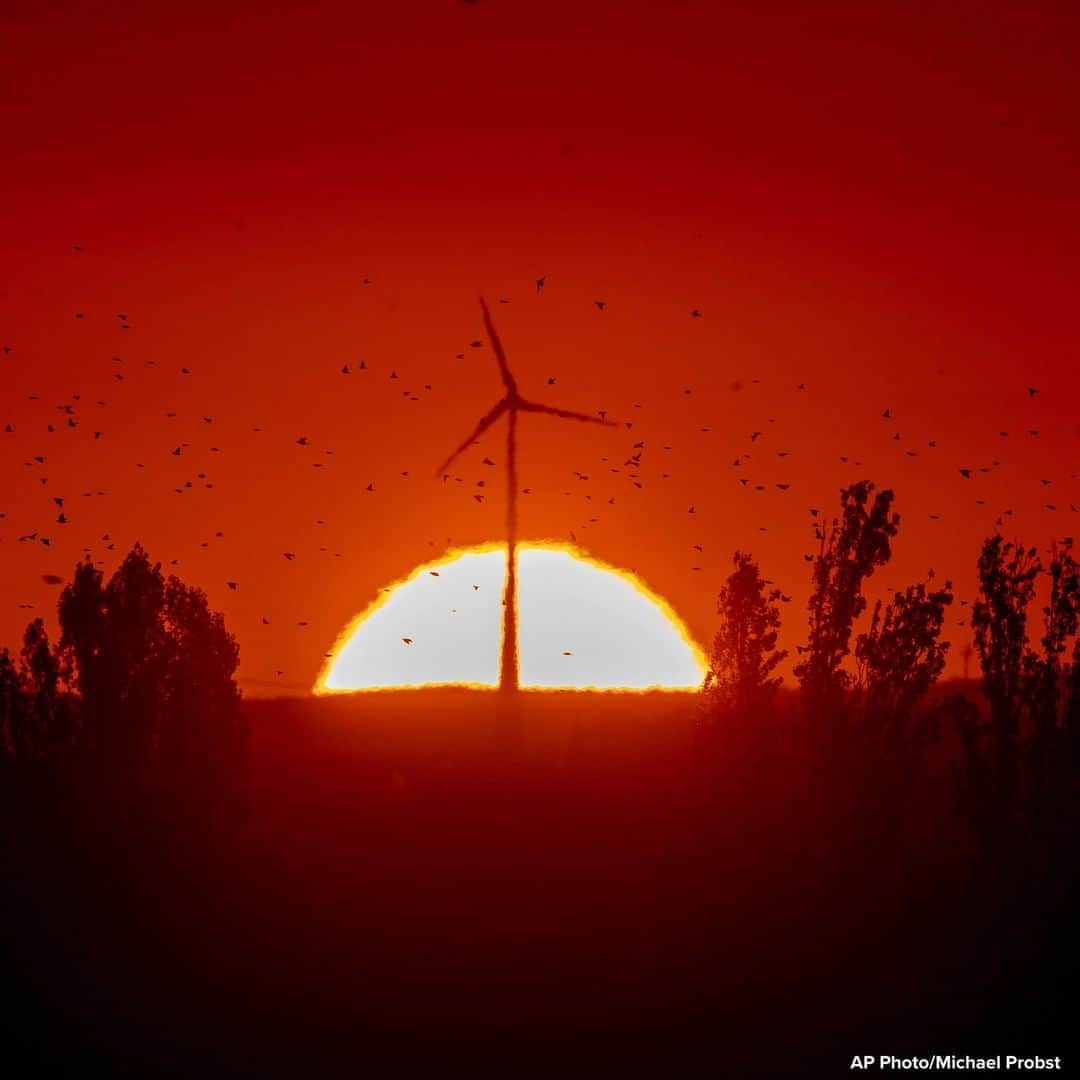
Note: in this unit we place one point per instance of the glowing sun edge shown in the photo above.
(450, 555)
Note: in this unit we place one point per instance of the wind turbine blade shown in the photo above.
(564, 414)
(493, 414)
(496, 344)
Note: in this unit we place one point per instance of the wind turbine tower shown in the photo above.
(511, 403)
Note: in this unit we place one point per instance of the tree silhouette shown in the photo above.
(740, 678)
(114, 636)
(1072, 710)
(898, 659)
(14, 708)
(36, 714)
(200, 697)
(900, 656)
(851, 548)
(1045, 674)
(1007, 575)
(49, 712)
(154, 667)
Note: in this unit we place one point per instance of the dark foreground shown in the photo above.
(618, 895)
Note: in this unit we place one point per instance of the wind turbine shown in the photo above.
(511, 403)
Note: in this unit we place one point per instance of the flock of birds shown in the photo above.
(627, 467)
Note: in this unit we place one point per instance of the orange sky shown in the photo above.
(873, 200)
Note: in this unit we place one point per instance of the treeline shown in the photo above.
(139, 688)
(864, 695)
(141, 683)
(807, 863)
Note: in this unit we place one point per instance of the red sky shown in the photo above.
(879, 201)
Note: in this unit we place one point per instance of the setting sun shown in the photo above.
(583, 624)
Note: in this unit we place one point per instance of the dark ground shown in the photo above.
(616, 896)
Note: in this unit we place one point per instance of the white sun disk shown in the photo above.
(580, 625)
